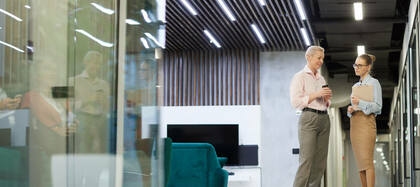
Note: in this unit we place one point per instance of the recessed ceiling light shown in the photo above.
(360, 50)
(11, 15)
(132, 22)
(103, 9)
(305, 36)
(144, 42)
(226, 10)
(150, 36)
(212, 39)
(145, 16)
(258, 33)
(301, 11)
(358, 11)
(189, 7)
(11, 46)
(262, 2)
(100, 42)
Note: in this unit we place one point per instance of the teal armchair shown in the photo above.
(14, 166)
(196, 165)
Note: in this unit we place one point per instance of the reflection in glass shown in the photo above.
(141, 146)
(57, 79)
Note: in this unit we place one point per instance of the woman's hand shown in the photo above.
(355, 100)
(350, 109)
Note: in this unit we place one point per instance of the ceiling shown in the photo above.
(278, 21)
(331, 24)
(381, 31)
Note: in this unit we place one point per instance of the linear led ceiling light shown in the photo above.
(11, 15)
(305, 36)
(262, 2)
(144, 42)
(132, 22)
(226, 10)
(189, 7)
(100, 42)
(154, 39)
(103, 9)
(212, 39)
(358, 11)
(301, 11)
(27, 6)
(11, 46)
(360, 50)
(145, 16)
(258, 33)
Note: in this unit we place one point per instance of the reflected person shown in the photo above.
(48, 124)
(7, 103)
(92, 105)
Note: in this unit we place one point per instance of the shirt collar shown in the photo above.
(365, 80)
(309, 71)
(85, 75)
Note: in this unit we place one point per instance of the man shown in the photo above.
(310, 94)
(92, 105)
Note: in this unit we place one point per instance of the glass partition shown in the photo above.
(145, 39)
(58, 93)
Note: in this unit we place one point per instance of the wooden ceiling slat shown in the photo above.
(243, 25)
(271, 29)
(188, 25)
(282, 33)
(283, 14)
(183, 39)
(205, 16)
(227, 24)
(299, 22)
(278, 22)
(252, 17)
(279, 16)
(247, 24)
(295, 25)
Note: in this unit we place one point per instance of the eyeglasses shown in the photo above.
(358, 65)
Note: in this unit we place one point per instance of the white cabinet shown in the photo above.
(246, 176)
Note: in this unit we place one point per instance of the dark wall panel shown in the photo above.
(203, 78)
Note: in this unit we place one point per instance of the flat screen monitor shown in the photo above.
(224, 138)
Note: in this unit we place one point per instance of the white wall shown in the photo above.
(278, 117)
(336, 150)
(248, 118)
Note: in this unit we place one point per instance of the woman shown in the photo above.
(362, 120)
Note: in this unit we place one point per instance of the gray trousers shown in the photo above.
(314, 132)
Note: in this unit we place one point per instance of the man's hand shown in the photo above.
(325, 92)
(9, 103)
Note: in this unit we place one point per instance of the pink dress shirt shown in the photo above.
(304, 83)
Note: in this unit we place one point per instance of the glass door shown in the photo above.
(59, 64)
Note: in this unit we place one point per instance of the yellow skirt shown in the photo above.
(363, 137)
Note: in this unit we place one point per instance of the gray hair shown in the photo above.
(313, 49)
(93, 56)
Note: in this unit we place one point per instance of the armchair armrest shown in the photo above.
(222, 161)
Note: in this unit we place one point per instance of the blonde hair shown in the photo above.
(313, 49)
(369, 59)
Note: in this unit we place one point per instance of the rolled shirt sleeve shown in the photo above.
(297, 93)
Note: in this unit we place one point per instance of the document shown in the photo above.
(363, 92)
